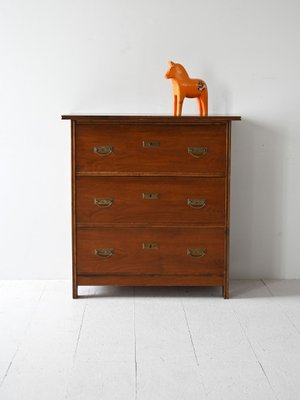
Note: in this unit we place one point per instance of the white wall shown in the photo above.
(93, 56)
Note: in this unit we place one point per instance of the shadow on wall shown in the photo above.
(257, 204)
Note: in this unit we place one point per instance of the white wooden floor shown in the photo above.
(150, 343)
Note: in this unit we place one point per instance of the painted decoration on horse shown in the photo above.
(184, 86)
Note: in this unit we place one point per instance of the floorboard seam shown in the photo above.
(189, 331)
(79, 333)
(8, 368)
(281, 308)
(193, 345)
(254, 352)
(24, 334)
(75, 351)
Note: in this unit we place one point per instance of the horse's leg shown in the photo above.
(199, 105)
(180, 103)
(175, 105)
(204, 102)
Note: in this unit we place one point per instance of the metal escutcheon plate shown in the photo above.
(150, 196)
(150, 246)
(151, 143)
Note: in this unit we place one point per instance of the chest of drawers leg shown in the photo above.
(150, 201)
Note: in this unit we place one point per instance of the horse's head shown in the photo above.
(176, 71)
(171, 71)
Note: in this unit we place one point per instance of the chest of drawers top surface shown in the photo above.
(152, 119)
(150, 200)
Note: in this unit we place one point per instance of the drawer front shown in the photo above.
(151, 200)
(142, 150)
(164, 251)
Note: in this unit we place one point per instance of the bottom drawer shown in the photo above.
(150, 251)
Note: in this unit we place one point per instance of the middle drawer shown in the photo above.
(149, 200)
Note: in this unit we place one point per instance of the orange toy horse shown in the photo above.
(184, 86)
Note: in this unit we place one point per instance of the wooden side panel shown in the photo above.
(74, 217)
(227, 210)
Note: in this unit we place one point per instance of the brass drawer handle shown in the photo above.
(104, 253)
(151, 196)
(103, 150)
(197, 151)
(196, 252)
(152, 143)
(103, 203)
(196, 203)
(150, 246)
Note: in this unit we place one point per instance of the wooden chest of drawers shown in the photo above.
(150, 200)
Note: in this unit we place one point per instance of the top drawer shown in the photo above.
(151, 149)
